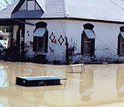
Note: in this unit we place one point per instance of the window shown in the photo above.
(30, 5)
(39, 44)
(40, 38)
(121, 42)
(88, 40)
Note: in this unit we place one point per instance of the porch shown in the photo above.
(15, 51)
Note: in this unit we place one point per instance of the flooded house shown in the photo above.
(62, 31)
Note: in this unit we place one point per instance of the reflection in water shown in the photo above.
(1, 105)
(3, 77)
(86, 86)
(120, 82)
(99, 85)
(104, 83)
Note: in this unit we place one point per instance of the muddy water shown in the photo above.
(86, 86)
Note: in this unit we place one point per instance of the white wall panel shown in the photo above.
(106, 41)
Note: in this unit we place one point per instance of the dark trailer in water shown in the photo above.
(39, 80)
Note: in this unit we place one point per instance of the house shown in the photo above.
(62, 30)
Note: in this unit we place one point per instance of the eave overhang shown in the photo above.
(10, 21)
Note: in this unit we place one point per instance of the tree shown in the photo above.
(5, 28)
(3, 4)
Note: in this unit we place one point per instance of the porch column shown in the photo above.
(20, 39)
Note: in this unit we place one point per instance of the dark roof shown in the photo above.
(10, 21)
(27, 14)
(18, 6)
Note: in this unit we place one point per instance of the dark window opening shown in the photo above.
(88, 40)
(87, 46)
(39, 44)
(40, 38)
(1, 38)
(121, 42)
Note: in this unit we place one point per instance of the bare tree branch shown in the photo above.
(6, 3)
(3, 4)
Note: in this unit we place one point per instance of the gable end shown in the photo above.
(27, 9)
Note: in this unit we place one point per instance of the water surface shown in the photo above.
(86, 85)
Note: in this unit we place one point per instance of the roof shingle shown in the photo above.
(107, 10)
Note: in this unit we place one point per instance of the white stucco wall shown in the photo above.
(106, 41)
(74, 31)
(55, 50)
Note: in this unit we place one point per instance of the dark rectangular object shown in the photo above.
(39, 80)
(27, 14)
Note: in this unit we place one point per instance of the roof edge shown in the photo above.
(96, 20)
(18, 5)
(79, 19)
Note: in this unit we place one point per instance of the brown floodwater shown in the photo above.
(86, 85)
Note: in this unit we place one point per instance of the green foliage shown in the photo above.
(5, 28)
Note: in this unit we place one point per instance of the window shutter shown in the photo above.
(35, 44)
(46, 41)
(92, 46)
(118, 52)
(22, 45)
(82, 44)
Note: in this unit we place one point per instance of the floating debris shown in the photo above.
(39, 80)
